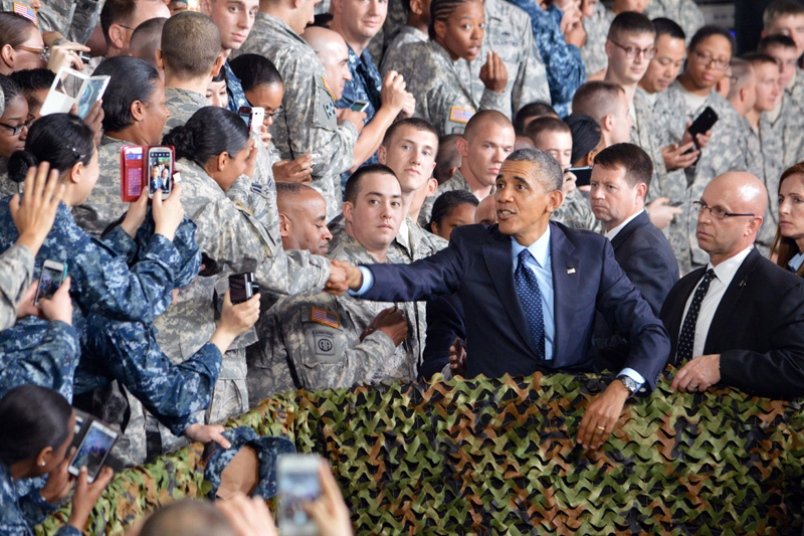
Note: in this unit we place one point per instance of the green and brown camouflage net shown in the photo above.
(499, 456)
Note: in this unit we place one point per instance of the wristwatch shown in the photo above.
(630, 384)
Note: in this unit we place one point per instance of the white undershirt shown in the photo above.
(724, 273)
(611, 234)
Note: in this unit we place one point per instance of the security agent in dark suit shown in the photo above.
(530, 289)
(619, 184)
(740, 320)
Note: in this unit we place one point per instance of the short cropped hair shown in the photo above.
(636, 162)
(740, 74)
(255, 70)
(758, 58)
(551, 175)
(781, 8)
(485, 116)
(352, 189)
(630, 22)
(597, 99)
(188, 517)
(708, 31)
(586, 135)
(115, 12)
(415, 122)
(532, 109)
(190, 44)
(669, 27)
(776, 40)
(545, 124)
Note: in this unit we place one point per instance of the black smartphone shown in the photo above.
(242, 287)
(703, 123)
(583, 175)
(51, 278)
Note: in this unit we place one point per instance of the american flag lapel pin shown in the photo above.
(570, 270)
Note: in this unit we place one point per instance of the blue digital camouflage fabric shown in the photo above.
(234, 88)
(129, 352)
(101, 279)
(18, 514)
(16, 272)
(365, 85)
(268, 449)
(38, 352)
(565, 69)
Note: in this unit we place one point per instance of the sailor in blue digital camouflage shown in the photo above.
(39, 352)
(307, 122)
(563, 63)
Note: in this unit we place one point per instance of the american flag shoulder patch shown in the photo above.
(25, 10)
(325, 317)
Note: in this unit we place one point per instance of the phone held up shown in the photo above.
(242, 287)
(51, 278)
(253, 117)
(93, 441)
(299, 483)
(702, 124)
(583, 175)
(146, 167)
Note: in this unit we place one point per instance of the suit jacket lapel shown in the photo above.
(721, 322)
(566, 283)
(497, 255)
(629, 229)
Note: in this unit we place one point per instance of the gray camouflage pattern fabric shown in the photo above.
(443, 96)
(16, 275)
(307, 122)
(685, 12)
(597, 31)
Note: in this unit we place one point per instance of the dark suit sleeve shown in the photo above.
(653, 274)
(444, 325)
(623, 307)
(778, 373)
(434, 276)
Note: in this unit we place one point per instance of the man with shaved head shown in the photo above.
(302, 218)
(739, 321)
(331, 49)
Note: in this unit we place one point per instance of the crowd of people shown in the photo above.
(461, 187)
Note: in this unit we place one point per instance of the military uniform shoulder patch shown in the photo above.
(325, 317)
(461, 114)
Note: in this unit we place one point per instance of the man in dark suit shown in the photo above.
(530, 288)
(620, 181)
(739, 321)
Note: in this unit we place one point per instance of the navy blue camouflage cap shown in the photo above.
(267, 450)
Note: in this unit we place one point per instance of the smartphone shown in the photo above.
(51, 278)
(131, 164)
(299, 483)
(242, 287)
(583, 175)
(245, 114)
(93, 450)
(702, 124)
(256, 120)
(160, 170)
(359, 106)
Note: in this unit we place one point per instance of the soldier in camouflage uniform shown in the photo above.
(397, 32)
(308, 122)
(436, 72)
(320, 342)
(563, 63)
(596, 22)
(685, 12)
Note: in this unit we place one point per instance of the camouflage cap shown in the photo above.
(267, 450)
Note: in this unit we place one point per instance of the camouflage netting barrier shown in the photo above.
(499, 456)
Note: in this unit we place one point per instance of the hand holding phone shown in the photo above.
(299, 485)
(50, 279)
(702, 124)
(359, 106)
(93, 450)
(160, 171)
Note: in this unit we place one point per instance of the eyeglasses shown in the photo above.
(633, 52)
(41, 52)
(15, 130)
(718, 212)
(707, 60)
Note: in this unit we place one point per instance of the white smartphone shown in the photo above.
(93, 450)
(257, 118)
(299, 483)
(51, 278)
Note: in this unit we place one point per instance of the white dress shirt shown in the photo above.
(724, 273)
(614, 232)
